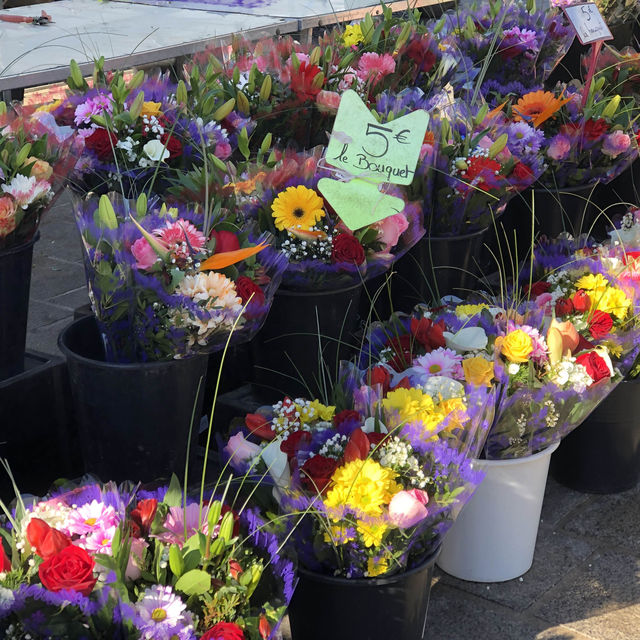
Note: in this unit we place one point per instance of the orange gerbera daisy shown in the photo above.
(538, 106)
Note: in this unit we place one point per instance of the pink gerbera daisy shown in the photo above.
(373, 67)
(90, 517)
(174, 524)
(440, 362)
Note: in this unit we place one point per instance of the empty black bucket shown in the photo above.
(287, 349)
(133, 419)
(15, 281)
(385, 608)
(603, 454)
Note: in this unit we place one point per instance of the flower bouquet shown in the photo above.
(167, 282)
(35, 157)
(140, 134)
(108, 561)
(509, 47)
(323, 253)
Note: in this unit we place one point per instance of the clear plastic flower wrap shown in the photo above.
(125, 561)
(166, 282)
(323, 253)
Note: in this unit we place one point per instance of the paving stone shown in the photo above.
(600, 599)
(55, 277)
(72, 299)
(554, 556)
(45, 339)
(42, 314)
(558, 502)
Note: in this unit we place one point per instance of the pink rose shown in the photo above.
(143, 253)
(240, 451)
(407, 508)
(390, 229)
(7, 216)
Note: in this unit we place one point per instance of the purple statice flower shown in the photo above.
(161, 615)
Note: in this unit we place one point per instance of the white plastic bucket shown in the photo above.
(494, 537)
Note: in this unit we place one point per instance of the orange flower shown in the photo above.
(226, 259)
(429, 138)
(538, 106)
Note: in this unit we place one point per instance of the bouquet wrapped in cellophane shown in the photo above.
(323, 252)
(120, 561)
(35, 158)
(378, 482)
(168, 282)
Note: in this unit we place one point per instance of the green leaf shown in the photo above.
(173, 498)
(194, 583)
(176, 561)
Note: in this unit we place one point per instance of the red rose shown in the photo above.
(45, 540)
(173, 145)
(102, 143)
(224, 631)
(600, 324)
(358, 446)
(316, 473)
(537, 288)
(5, 563)
(564, 307)
(142, 516)
(292, 444)
(225, 241)
(346, 415)
(402, 352)
(428, 333)
(421, 54)
(595, 365)
(379, 375)
(302, 81)
(347, 248)
(581, 301)
(522, 171)
(71, 569)
(259, 426)
(245, 287)
(594, 129)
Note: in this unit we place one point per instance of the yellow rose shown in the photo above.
(41, 169)
(151, 109)
(478, 371)
(516, 346)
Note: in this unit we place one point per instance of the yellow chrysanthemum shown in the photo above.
(362, 485)
(377, 566)
(455, 410)
(151, 109)
(410, 404)
(468, 310)
(338, 534)
(297, 207)
(372, 532)
(315, 411)
(614, 301)
(593, 282)
(612, 347)
(352, 35)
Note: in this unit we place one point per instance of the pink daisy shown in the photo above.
(373, 67)
(99, 541)
(440, 362)
(90, 517)
(174, 234)
(174, 524)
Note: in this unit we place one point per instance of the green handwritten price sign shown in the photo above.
(372, 153)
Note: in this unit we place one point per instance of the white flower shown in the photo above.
(370, 426)
(513, 368)
(467, 339)
(27, 190)
(442, 387)
(156, 151)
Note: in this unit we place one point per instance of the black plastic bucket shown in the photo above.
(394, 607)
(436, 267)
(302, 326)
(603, 454)
(15, 281)
(133, 419)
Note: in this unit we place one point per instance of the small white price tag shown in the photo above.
(588, 22)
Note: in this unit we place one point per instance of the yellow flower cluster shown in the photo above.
(377, 566)
(315, 411)
(412, 405)
(604, 297)
(352, 35)
(469, 310)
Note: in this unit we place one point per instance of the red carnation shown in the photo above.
(564, 307)
(224, 631)
(594, 129)
(428, 333)
(292, 444)
(346, 415)
(581, 301)
(70, 570)
(595, 365)
(316, 473)
(302, 81)
(483, 172)
(420, 52)
(347, 248)
(537, 288)
(245, 287)
(102, 143)
(600, 324)
(522, 171)
(173, 145)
